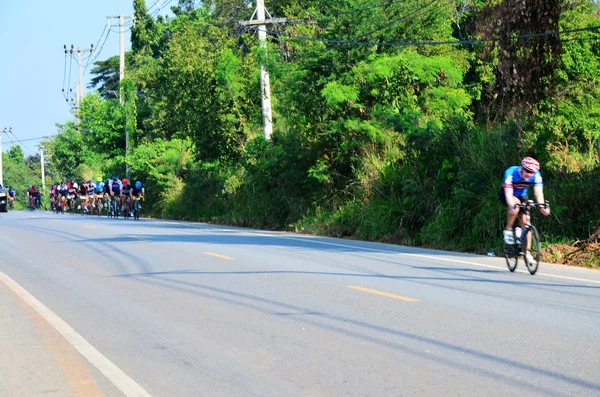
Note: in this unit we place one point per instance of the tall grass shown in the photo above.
(443, 197)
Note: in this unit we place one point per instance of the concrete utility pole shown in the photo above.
(121, 76)
(2, 176)
(265, 83)
(79, 89)
(79, 85)
(121, 18)
(43, 173)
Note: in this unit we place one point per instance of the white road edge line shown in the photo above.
(311, 239)
(113, 373)
(427, 257)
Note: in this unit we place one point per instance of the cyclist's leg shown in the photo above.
(512, 214)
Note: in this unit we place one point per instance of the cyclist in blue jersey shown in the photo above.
(115, 188)
(517, 181)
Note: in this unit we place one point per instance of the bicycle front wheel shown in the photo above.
(511, 254)
(533, 254)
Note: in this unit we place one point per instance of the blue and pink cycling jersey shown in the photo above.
(512, 179)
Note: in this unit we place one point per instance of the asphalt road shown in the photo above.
(98, 307)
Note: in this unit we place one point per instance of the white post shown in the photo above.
(1, 180)
(43, 173)
(121, 52)
(265, 84)
(77, 98)
(80, 73)
(121, 76)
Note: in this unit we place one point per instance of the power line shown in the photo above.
(35, 139)
(424, 43)
(351, 11)
(101, 43)
(117, 31)
(97, 45)
(399, 19)
(64, 77)
(22, 144)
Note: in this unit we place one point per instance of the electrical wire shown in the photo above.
(404, 17)
(351, 11)
(423, 43)
(153, 5)
(39, 138)
(90, 59)
(64, 76)
(119, 31)
(22, 144)
(97, 53)
(70, 67)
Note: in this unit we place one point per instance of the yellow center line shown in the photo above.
(89, 227)
(218, 255)
(374, 291)
(136, 237)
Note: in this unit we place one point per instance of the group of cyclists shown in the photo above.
(115, 196)
(90, 195)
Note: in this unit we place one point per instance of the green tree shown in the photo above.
(142, 32)
(16, 155)
(106, 77)
(524, 67)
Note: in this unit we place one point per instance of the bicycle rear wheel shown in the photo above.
(136, 210)
(534, 251)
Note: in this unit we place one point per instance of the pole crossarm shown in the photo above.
(263, 21)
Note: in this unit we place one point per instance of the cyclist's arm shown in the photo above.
(509, 195)
(538, 191)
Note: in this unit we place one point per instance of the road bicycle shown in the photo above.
(34, 203)
(527, 244)
(70, 203)
(97, 204)
(137, 207)
(127, 207)
(113, 208)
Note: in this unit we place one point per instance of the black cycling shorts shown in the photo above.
(502, 197)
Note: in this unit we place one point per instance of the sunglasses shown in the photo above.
(527, 172)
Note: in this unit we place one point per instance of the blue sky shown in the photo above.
(32, 65)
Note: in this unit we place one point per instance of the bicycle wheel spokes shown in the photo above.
(533, 254)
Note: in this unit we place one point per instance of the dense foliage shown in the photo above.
(20, 171)
(382, 130)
